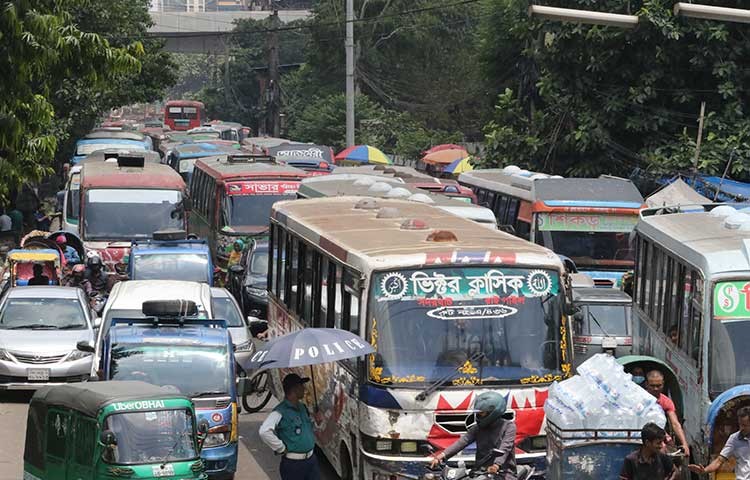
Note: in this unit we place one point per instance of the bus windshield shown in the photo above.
(730, 334)
(248, 203)
(192, 267)
(193, 370)
(125, 214)
(586, 238)
(151, 437)
(428, 324)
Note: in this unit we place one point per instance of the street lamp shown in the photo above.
(583, 16)
(708, 12)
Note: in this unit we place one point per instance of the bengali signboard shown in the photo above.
(586, 222)
(262, 188)
(290, 152)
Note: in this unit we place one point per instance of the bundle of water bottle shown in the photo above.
(602, 397)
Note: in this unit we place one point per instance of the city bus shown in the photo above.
(128, 200)
(452, 310)
(232, 197)
(183, 156)
(371, 187)
(585, 219)
(184, 114)
(691, 305)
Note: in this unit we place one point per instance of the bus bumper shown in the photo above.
(221, 462)
(383, 467)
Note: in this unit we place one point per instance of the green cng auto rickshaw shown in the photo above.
(98, 430)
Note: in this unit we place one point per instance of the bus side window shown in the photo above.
(523, 229)
(320, 274)
(308, 287)
(85, 440)
(696, 317)
(273, 255)
(293, 282)
(281, 264)
(491, 200)
(338, 291)
(330, 295)
(668, 293)
(57, 428)
(501, 210)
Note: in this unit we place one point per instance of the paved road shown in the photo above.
(256, 462)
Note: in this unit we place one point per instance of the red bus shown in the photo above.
(232, 197)
(128, 200)
(184, 114)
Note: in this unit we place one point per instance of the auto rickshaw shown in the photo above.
(124, 429)
(19, 266)
(589, 454)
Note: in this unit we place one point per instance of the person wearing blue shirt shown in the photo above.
(288, 431)
(70, 253)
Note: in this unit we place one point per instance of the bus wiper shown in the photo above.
(434, 385)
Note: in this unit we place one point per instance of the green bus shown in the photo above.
(97, 430)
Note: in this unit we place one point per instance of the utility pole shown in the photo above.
(698, 141)
(349, 44)
(274, 90)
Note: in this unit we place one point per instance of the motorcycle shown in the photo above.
(446, 472)
(97, 302)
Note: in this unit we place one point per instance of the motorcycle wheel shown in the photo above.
(257, 393)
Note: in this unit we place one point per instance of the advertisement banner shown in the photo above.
(732, 300)
(262, 188)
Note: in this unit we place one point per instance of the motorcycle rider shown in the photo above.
(77, 279)
(96, 276)
(491, 432)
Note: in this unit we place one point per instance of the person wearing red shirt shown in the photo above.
(655, 386)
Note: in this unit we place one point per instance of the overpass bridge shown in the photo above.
(207, 32)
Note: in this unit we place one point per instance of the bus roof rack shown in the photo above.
(135, 161)
(250, 158)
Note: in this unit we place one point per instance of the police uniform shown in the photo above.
(288, 431)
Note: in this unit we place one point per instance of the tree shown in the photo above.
(40, 48)
(589, 99)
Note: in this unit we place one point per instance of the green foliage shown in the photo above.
(588, 99)
(41, 49)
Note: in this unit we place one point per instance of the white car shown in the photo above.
(225, 307)
(126, 301)
(40, 328)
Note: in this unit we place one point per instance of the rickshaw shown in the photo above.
(589, 454)
(721, 421)
(19, 266)
(125, 429)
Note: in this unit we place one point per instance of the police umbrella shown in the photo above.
(309, 346)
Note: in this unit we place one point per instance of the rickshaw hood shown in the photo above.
(718, 403)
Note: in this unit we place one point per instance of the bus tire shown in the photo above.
(259, 399)
(346, 464)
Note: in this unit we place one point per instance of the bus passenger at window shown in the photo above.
(674, 334)
(655, 386)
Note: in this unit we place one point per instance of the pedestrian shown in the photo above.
(648, 463)
(655, 386)
(16, 218)
(288, 431)
(42, 220)
(70, 253)
(6, 224)
(737, 447)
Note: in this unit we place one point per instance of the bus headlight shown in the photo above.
(216, 439)
(244, 346)
(257, 292)
(408, 447)
(383, 445)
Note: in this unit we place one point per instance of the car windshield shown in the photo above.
(730, 334)
(126, 214)
(259, 262)
(193, 369)
(43, 314)
(225, 309)
(192, 267)
(427, 324)
(151, 437)
(605, 320)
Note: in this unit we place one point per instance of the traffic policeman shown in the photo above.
(288, 431)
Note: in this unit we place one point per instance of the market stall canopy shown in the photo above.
(445, 157)
(444, 146)
(362, 154)
(459, 166)
(676, 193)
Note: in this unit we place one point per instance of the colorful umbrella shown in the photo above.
(445, 157)
(363, 154)
(459, 166)
(444, 146)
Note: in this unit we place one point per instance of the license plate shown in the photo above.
(162, 471)
(38, 374)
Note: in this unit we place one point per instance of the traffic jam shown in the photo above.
(435, 321)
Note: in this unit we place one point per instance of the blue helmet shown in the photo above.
(491, 402)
